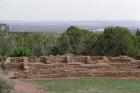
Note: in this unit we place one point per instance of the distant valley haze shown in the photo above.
(61, 26)
(58, 15)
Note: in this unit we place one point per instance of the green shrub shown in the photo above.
(22, 52)
(6, 86)
(2, 52)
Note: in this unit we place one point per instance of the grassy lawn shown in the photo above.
(90, 85)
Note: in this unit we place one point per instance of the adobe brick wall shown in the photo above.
(76, 70)
(79, 70)
(81, 59)
(75, 66)
(63, 59)
(57, 59)
(33, 59)
(11, 66)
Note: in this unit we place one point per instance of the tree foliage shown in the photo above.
(114, 41)
(22, 52)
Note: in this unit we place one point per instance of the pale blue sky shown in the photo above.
(69, 9)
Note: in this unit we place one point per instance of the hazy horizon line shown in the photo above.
(67, 20)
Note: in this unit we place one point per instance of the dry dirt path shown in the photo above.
(21, 86)
(24, 87)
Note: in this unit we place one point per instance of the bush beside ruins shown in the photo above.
(6, 86)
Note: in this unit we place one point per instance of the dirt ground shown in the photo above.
(24, 87)
(21, 86)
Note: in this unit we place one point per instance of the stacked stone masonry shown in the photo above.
(72, 66)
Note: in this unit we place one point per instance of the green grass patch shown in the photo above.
(90, 85)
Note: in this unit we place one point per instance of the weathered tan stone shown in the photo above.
(7, 60)
(75, 66)
(68, 58)
(121, 59)
(33, 59)
(45, 59)
(25, 60)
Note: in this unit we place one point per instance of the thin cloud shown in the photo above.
(70, 9)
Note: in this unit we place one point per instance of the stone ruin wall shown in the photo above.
(72, 66)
